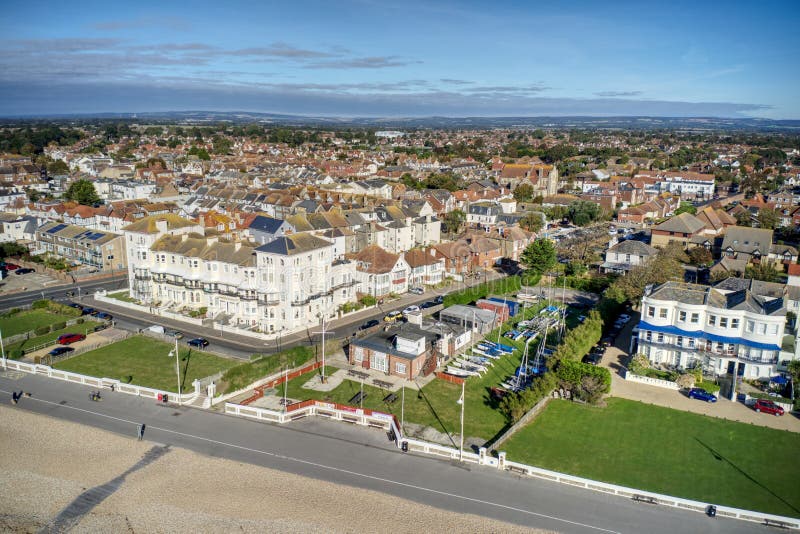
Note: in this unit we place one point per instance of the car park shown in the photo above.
(392, 316)
(58, 351)
(66, 339)
(701, 394)
(25, 270)
(198, 342)
(767, 406)
(369, 324)
(416, 290)
(410, 309)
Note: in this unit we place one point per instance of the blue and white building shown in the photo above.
(735, 327)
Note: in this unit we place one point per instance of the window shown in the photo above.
(750, 326)
(660, 338)
(723, 322)
(662, 313)
(691, 343)
(695, 318)
(773, 329)
(679, 341)
(762, 328)
(358, 355)
(651, 311)
(648, 336)
(400, 368)
(735, 323)
(712, 320)
(682, 316)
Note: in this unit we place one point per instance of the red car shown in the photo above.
(66, 339)
(767, 406)
(12, 266)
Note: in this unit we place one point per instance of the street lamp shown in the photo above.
(462, 403)
(177, 369)
(2, 349)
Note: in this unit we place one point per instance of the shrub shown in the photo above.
(40, 304)
(500, 287)
(581, 339)
(573, 373)
(16, 353)
(58, 326)
(711, 387)
(79, 320)
(515, 405)
(686, 381)
(42, 330)
(368, 300)
(639, 365)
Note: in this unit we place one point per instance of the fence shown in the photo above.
(75, 378)
(83, 349)
(651, 381)
(524, 420)
(279, 378)
(10, 340)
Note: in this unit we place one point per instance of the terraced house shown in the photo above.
(735, 328)
(104, 251)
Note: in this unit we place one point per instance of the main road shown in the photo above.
(59, 292)
(361, 457)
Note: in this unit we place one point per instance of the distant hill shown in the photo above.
(645, 123)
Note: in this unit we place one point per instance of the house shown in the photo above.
(483, 214)
(793, 270)
(456, 255)
(264, 229)
(729, 331)
(476, 319)
(96, 249)
(380, 272)
(17, 228)
(424, 267)
(399, 350)
(625, 255)
(681, 228)
(754, 245)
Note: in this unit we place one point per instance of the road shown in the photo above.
(59, 292)
(364, 458)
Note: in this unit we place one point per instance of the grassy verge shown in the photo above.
(28, 344)
(666, 451)
(242, 375)
(25, 321)
(145, 362)
(124, 296)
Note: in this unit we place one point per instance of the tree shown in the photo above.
(453, 220)
(686, 381)
(523, 193)
(583, 212)
(768, 218)
(700, 256)
(743, 218)
(57, 167)
(765, 271)
(794, 371)
(533, 221)
(33, 194)
(82, 192)
(539, 256)
(686, 207)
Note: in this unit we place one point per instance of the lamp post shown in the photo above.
(177, 369)
(2, 349)
(461, 402)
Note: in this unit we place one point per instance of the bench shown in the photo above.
(390, 398)
(357, 398)
(644, 498)
(382, 384)
(359, 374)
(775, 523)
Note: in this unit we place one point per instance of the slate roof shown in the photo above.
(741, 299)
(631, 246)
(685, 223)
(293, 244)
(266, 224)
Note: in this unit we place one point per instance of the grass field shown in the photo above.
(435, 405)
(25, 321)
(667, 451)
(124, 296)
(144, 361)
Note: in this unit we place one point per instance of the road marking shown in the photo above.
(323, 466)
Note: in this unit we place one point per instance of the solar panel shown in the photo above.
(95, 236)
(56, 228)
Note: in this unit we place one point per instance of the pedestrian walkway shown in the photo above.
(616, 358)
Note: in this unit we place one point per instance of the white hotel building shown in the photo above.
(726, 329)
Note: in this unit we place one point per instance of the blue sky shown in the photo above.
(409, 58)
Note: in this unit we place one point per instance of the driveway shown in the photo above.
(616, 358)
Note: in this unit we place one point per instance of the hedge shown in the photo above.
(711, 387)
(42, 330)
(502, 286)
(579, 341)
(58, 326)
(573, 372)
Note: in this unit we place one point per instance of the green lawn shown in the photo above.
(145, 361)
(25, 321)
(667, 451)
(435, 405)
(124, 296)
(39, 340)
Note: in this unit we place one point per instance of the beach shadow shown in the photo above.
(84, 503)
(721, 458)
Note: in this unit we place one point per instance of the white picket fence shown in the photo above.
(75, 378)
(387, 422)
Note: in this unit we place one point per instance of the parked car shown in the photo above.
(427, 304)
(11, 266)
(95, 313)
(58, 351)
(198, 342)
(25, 270)
(88, 311)
(701, 394)
(767, 406)
(438, 299)
(392, 316)
(173, 333)
(410, 309)
(369, 324)
(75, 305)
(104, 316)
(416, 290)
(66, 339)
(593, 358)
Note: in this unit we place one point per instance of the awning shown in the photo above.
(674, 330)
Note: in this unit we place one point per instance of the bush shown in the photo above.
(500, 287)
(79, 320)
(686, 381)
(58, 326)
(573, 373)
(711, 387)
(639, 365)
(40, 304)
(16, 353)
(12, 311)
(515, 405)
(42, 330)
(368, 300)
(581, 339)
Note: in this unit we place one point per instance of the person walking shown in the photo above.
(141, 431)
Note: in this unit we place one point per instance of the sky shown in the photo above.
(410, 58)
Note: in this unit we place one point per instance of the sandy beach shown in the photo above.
(50, 478)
